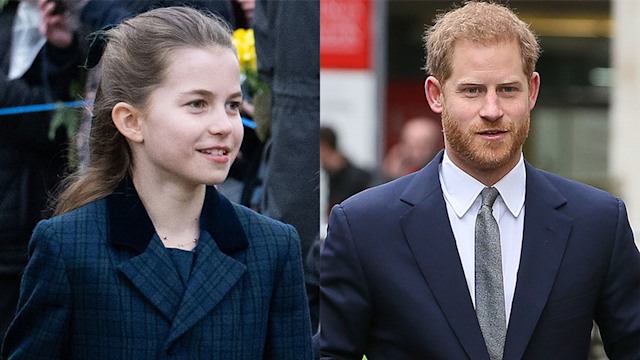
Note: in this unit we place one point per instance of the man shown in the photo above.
(420, 141)
(399, 274)
(345, 178)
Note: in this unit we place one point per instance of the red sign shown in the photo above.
(345, 34)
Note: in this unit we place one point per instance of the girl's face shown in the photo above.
(191, 127)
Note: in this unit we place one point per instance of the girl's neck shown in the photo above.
(173, 209)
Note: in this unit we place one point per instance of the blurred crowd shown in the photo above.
(419, 141)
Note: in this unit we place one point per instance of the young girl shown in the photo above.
(145, 259)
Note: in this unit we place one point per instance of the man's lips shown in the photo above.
(492, 134)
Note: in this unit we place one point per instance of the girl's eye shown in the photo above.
(233, 105)
(196, 104)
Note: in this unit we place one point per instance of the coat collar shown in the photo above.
(130, 225)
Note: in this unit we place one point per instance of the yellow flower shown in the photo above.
(245, 44)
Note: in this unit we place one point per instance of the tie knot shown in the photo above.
(489, 196)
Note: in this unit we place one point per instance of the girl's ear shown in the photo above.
(127, 119)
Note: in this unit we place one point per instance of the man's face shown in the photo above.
(422, 139)
(485, 106)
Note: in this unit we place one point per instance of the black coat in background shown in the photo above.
(30, 163)
(287, 36)
(99, 13)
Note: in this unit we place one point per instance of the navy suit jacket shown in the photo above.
(101, 285)
(393, 287)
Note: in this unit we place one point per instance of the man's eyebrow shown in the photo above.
(511, 83)
(478, 83)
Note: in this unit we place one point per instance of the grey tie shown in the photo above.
(489, 288)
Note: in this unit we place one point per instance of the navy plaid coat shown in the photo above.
(101, 285)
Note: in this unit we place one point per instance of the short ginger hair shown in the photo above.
(479, 22)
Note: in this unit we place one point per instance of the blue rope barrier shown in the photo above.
(248, 123)
(43, 107)
(74, 104)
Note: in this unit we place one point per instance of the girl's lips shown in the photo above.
(214, 151)
(219, 155)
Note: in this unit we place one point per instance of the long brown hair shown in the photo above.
(132, 66)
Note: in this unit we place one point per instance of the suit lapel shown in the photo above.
(429, 235)
(546, 231)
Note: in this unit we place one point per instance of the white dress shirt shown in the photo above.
(462, 196)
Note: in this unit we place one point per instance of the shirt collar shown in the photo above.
(461, 189)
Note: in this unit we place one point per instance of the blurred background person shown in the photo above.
(40, 59)
(345, 178)
(243, 10)
(420, 140)
(287, 37)
(97, 14)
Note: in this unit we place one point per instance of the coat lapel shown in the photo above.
(153, 273)
(151, 270)
(546, 231)
(429, 235)
(213, 275)
(214, 272)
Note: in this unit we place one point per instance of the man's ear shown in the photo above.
(433, 92)
(534, 89)
(127, 119)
